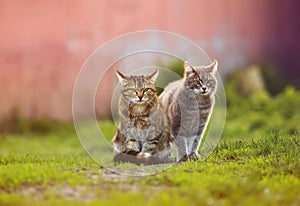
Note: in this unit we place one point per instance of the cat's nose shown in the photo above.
(140, 96)
(204, 89)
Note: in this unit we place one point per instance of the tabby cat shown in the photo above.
(189, 103)
(143, 129)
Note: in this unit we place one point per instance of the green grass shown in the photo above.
(53, 169)
(256, 162)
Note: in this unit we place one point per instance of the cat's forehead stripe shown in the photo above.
(139, 81)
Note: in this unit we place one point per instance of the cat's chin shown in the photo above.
(139, 102)
(201, 93)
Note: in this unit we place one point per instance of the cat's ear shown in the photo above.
(152, 76)
(188, 69)
(213, 67)
(121, 76)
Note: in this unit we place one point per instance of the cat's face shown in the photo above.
(138, 89)
(201, 80)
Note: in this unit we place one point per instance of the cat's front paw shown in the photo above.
(194, 156)
(185, 158)
(143, 155)
(132, 146)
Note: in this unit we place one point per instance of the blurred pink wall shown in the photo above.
(44, 43)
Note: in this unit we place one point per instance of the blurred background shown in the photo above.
(43, 45)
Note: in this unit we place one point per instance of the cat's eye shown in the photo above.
(146, 89)
(132, 90)
(209, 82)
(199, 81)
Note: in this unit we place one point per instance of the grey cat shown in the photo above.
(189, 103)
(144, 129)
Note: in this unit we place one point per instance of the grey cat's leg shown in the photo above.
(193, 146)
(181, 144)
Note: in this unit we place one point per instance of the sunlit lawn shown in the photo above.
(53, 169)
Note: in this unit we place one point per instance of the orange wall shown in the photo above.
(44, 43)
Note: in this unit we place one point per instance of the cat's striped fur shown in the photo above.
(189, 103)
(143, 128)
